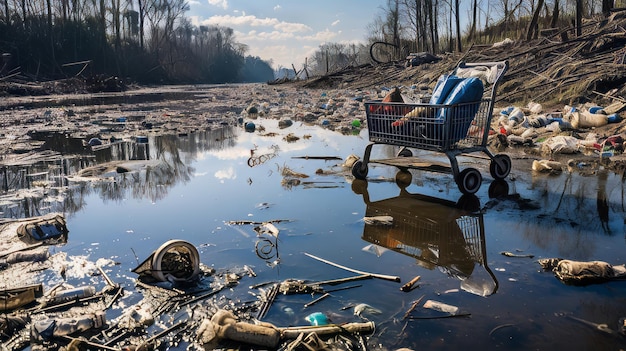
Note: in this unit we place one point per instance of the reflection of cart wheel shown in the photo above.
(498, 188)
(497, 171)
(359, 186)
(469, 180)
(404, 152)
(403, 178)
(468, 202)
(358, 171)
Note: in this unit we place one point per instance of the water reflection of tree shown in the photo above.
(53, 193)
(573, 209)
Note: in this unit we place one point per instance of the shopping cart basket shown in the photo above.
(454, 129)
(436, 232)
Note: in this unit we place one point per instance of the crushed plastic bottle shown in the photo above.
(73, 294)
(441, 307)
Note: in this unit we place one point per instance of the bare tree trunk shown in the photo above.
(459, 45)
(555, 15)
(472, 31)
(115, 12)
(434, 32)
(142, 15)
(607, 6)
(579, 17)
(533, 28)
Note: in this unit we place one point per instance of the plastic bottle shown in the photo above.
(73, 294)
(516, 116)
(48, 328)
(441, 307)
(534, 107)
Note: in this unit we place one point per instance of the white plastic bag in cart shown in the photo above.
(486, 74)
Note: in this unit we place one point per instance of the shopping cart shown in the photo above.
(454, 129)
(436, 232)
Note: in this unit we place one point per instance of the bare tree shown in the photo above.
(533, 28)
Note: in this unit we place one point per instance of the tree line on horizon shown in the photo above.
(153, 42)
(145, 41)
(440, 26)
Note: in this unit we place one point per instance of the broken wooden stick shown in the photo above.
(379, 276)
(409, 286)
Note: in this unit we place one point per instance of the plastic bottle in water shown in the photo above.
(49, 328)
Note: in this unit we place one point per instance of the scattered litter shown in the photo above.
(441, 307)
(583, 272)
(363, 309)
(378, 220)
(554, 167)
(375, 249)
(510, 254)
(317, 319)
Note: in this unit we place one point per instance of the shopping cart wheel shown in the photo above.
(359, 171)
(497, 171)
(469, 180)
(404, 152)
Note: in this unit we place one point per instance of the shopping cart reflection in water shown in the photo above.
(436, 232)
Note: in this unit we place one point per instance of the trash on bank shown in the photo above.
(547, 166)
(224, 325)
(44, 229)
(583, 272)
(11, 299)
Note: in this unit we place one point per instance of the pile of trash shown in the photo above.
(572, 130)
(177, 301)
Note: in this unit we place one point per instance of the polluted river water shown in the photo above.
(480, 284)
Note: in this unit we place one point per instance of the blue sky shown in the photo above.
(288, 31)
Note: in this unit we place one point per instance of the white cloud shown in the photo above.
(220, 3)
(232, 21)
(277, 7)
(323, 36)
(335, 23)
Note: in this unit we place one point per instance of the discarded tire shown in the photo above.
(176, 261)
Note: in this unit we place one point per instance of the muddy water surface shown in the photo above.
(209, 184)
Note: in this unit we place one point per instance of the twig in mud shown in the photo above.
(380, 276)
